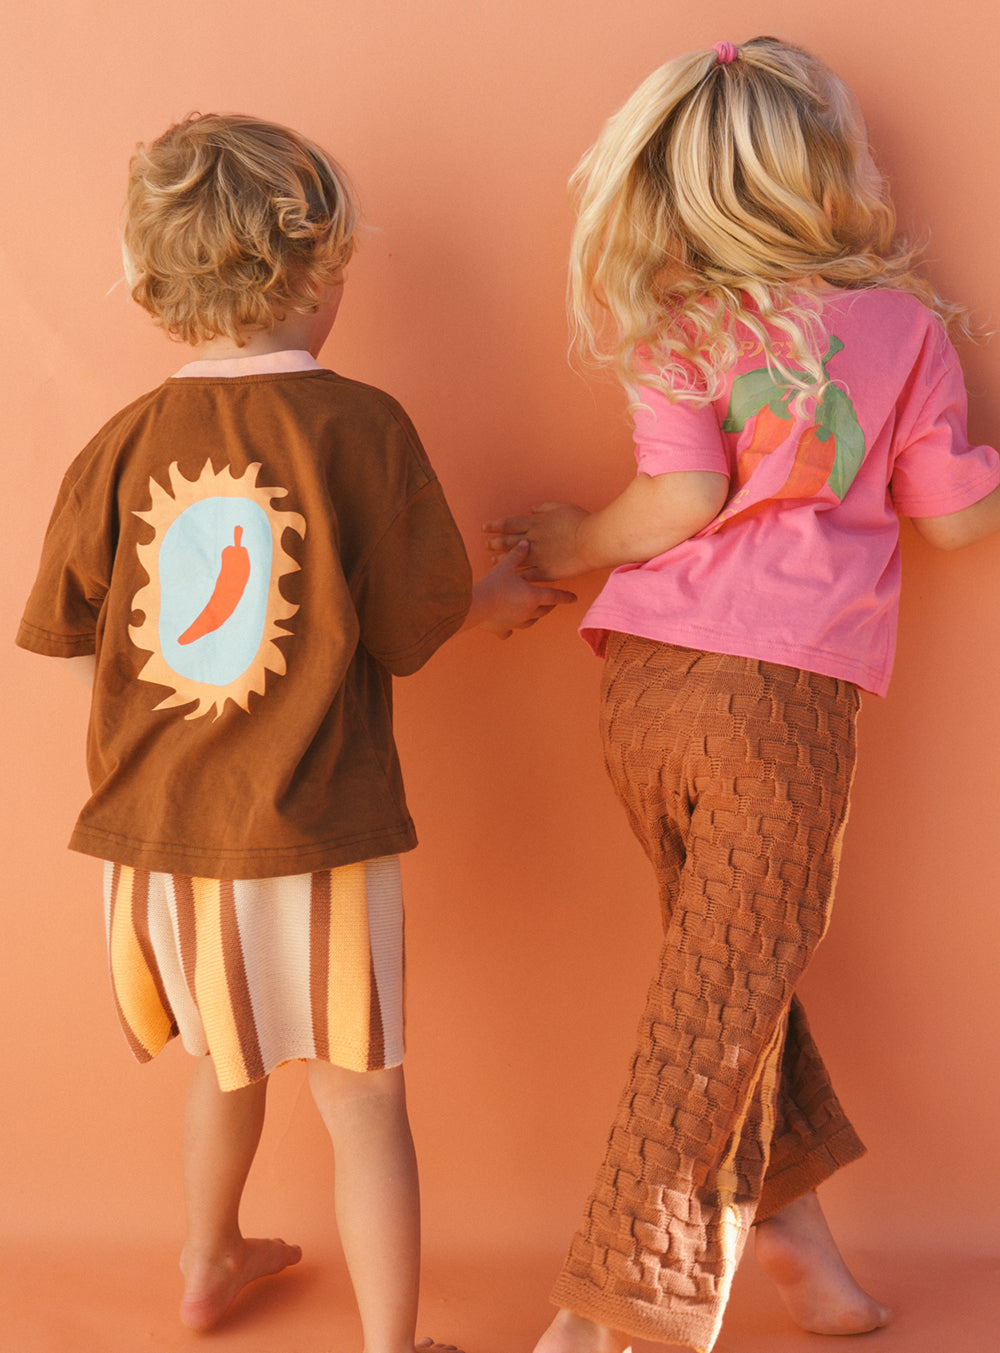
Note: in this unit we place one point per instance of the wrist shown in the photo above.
(583, 545)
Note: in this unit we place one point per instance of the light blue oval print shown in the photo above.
(215, 578)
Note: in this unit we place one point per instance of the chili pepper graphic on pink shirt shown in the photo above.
(828, 452)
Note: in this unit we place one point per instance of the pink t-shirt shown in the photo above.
(802, 565)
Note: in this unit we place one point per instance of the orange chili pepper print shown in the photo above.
(234, 574)
(814, 461)
(828, 454)
(769, 431)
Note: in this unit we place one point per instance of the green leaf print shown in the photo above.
(751, 392)
(835, 417)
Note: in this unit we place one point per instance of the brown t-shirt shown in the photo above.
(251, 559)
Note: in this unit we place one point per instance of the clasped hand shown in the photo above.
(552, 532)
(504, 601)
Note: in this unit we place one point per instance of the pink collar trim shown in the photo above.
(264, 364)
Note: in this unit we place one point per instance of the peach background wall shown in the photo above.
(531, 915)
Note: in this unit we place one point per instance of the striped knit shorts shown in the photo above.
(262, 971)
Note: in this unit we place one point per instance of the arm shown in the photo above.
(83, 668)
(503, 602)
(654, 514)
(956, 529)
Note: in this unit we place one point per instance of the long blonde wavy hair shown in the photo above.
(231, 221)
(704, 203)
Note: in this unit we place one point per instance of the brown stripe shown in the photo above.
(236, 983)
(376, 1030)
(140, 927)
(319, 962)
(187, 930)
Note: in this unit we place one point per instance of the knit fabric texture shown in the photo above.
(262, 971)
(735, 774)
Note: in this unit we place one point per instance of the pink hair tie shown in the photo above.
(726, 52)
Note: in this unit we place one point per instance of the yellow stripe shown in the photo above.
(211, 986)
(135, 986)
(349, 1003)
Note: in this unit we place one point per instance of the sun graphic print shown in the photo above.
(213, 607)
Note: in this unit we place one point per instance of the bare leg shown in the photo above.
(571, 1333)
(221, 1133)
(377, 1198)
(798, 1253)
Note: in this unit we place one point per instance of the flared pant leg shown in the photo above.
(736, 777)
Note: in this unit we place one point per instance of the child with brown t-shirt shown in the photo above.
(242, 560)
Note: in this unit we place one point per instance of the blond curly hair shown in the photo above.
(231, 222)
(706, 205)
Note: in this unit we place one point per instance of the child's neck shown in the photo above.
(278, 339)
(294, 333)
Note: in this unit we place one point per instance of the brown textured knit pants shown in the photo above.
(735, 775)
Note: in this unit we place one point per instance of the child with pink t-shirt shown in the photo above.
(793, 390)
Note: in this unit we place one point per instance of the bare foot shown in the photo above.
(571, 1333)
(212, 1286)
(797, 1252)
(429, 1346)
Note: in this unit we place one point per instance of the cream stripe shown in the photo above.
(139, 999)
(385, 923)
(211, 986)
(350, 968)
(274, 927)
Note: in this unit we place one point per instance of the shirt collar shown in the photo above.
(264, 364)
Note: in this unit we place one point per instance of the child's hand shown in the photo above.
(551, 532)
(502, 601)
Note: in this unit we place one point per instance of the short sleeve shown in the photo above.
(670, 437)
(415, 589)
(61, 616)
(937, 470)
